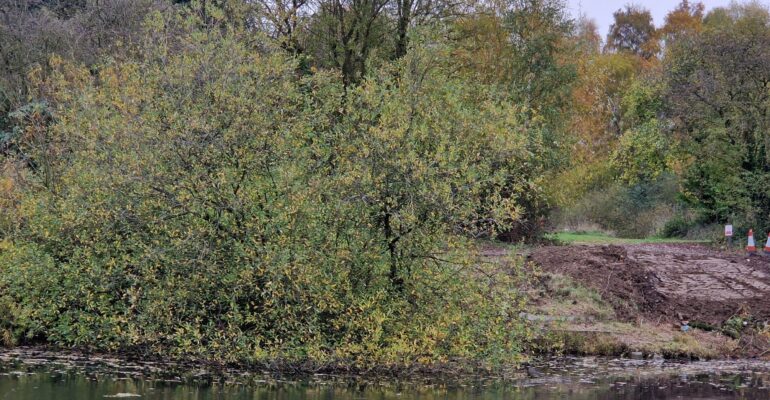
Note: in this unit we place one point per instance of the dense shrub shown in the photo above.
(212, 203)
(678, 226)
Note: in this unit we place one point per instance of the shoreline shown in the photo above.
(541, 370)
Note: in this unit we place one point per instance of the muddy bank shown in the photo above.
(665, 283)
(667, 280)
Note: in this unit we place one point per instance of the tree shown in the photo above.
(587, 35)
(718, 99)
(685, 20)
(633, 31)
(642, 154)
(283, 20)
(411, 13)
(525, 48)
(597, 119)
(343, 34)
(33, 30)
(541, 70)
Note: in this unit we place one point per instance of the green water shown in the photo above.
(563, 379)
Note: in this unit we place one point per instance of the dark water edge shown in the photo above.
(43, 375)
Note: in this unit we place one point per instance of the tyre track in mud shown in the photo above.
(667, 282)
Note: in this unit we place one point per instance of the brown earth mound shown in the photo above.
(664, 282)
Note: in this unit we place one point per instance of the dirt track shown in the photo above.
(666, 281)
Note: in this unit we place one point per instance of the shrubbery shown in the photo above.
(639, 210)
(678, 226)
(213, 203)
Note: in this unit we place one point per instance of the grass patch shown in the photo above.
(566, 298)
(603, 238)
(622, 338)
(576, 320)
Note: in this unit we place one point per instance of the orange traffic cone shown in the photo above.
(751, 247)
(767, 245)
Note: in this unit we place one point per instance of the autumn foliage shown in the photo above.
(306, 182)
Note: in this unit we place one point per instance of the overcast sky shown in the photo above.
(601, 10)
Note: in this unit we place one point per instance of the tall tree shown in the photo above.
(343, 34)
(283, 20)
(685, 19)
(411, 13)
(633, 31)
(542, 71)
(718, 97)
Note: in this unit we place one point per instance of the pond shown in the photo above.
(25, 377)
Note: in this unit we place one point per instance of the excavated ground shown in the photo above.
(667, 282)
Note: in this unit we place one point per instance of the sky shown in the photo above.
(601, 10)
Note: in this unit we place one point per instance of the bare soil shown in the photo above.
(667, 282)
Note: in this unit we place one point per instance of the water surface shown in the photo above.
(566, 378)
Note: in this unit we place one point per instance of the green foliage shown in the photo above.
(633, 31)
(719, 103)
(678, 226)
(643, 100)
(540, 79)
(32, 31)
(210, 203)
(8, 323)
(642, 154)
(630, 211)
(346, 32)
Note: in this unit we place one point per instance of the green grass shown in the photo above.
(603, 238)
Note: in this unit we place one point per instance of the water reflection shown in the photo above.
(564, 380)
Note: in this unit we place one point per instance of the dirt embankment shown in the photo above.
(665, 283)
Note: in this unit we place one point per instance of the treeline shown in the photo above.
(671, 124)
(305, 181)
